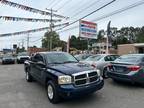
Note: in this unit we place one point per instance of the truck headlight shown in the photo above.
(64, 79)
(98, 72)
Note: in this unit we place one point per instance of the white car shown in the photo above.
(99, 61)
(22, 57)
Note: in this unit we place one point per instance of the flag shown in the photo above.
(68, 44)
(108, 37)
(108, 28)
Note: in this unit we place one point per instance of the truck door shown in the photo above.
(38, 67)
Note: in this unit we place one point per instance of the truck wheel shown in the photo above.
(28, 77)
(52, 92)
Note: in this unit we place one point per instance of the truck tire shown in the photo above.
(52, 92)
(28, 77)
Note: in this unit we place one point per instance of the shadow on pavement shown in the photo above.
(125, 84)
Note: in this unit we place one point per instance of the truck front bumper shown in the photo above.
(70, 91)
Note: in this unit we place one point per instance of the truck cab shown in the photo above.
(62, 75)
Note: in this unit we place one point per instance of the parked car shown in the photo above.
(8, 59)
(0, 59)
(82, 57)
(99, 61)
(62, 75)
(22, 57)
(127, 68)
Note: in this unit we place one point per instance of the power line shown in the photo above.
(64, 4)
(93, 3)
(121, 10)
(52, 2)
(79, 4)
(112, 13)
(56, 3)
(88, 14)
(36, 40)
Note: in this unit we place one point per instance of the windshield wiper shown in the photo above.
(71, 62)
(55, 63)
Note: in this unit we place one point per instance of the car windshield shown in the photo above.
(58, 58)
(94, 58)
(82, 56)
(7, 56)
(129, 58)
(23, 54)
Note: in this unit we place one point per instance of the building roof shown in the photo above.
(135, 44)
(139, 44)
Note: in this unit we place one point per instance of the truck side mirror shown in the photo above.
(41, 63)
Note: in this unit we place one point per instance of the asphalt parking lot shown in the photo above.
(15, 92)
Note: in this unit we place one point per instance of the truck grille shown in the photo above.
(85, 78)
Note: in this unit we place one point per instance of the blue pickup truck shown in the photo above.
(62, 75)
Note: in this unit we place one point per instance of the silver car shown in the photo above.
(100, 61)
(82, 57)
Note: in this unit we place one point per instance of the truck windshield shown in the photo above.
(58, 58)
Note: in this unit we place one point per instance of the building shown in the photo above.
(35, 50)
(100, 48)
(130, 48)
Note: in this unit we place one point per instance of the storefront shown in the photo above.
(131, 48)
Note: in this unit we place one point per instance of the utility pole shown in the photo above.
(22, 43)
(88, 40)
(28, 43)
(108, 36)
(52, 26)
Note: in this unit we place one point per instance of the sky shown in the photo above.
(74, 9)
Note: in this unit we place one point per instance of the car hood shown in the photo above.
(90, 62)
(8, 58)
(22, 57)
(71, 68)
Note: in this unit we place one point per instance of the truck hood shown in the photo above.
(71, 68)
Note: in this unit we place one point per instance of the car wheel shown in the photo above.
(105, 73)
(52, 93)
(28, 77)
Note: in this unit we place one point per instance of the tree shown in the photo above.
(82, 44)
(34, 46)
(140, 35)
(48, 36)
(73, 41)
(18, 50)
(76, 42)
(100, 35)
(56, 42)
